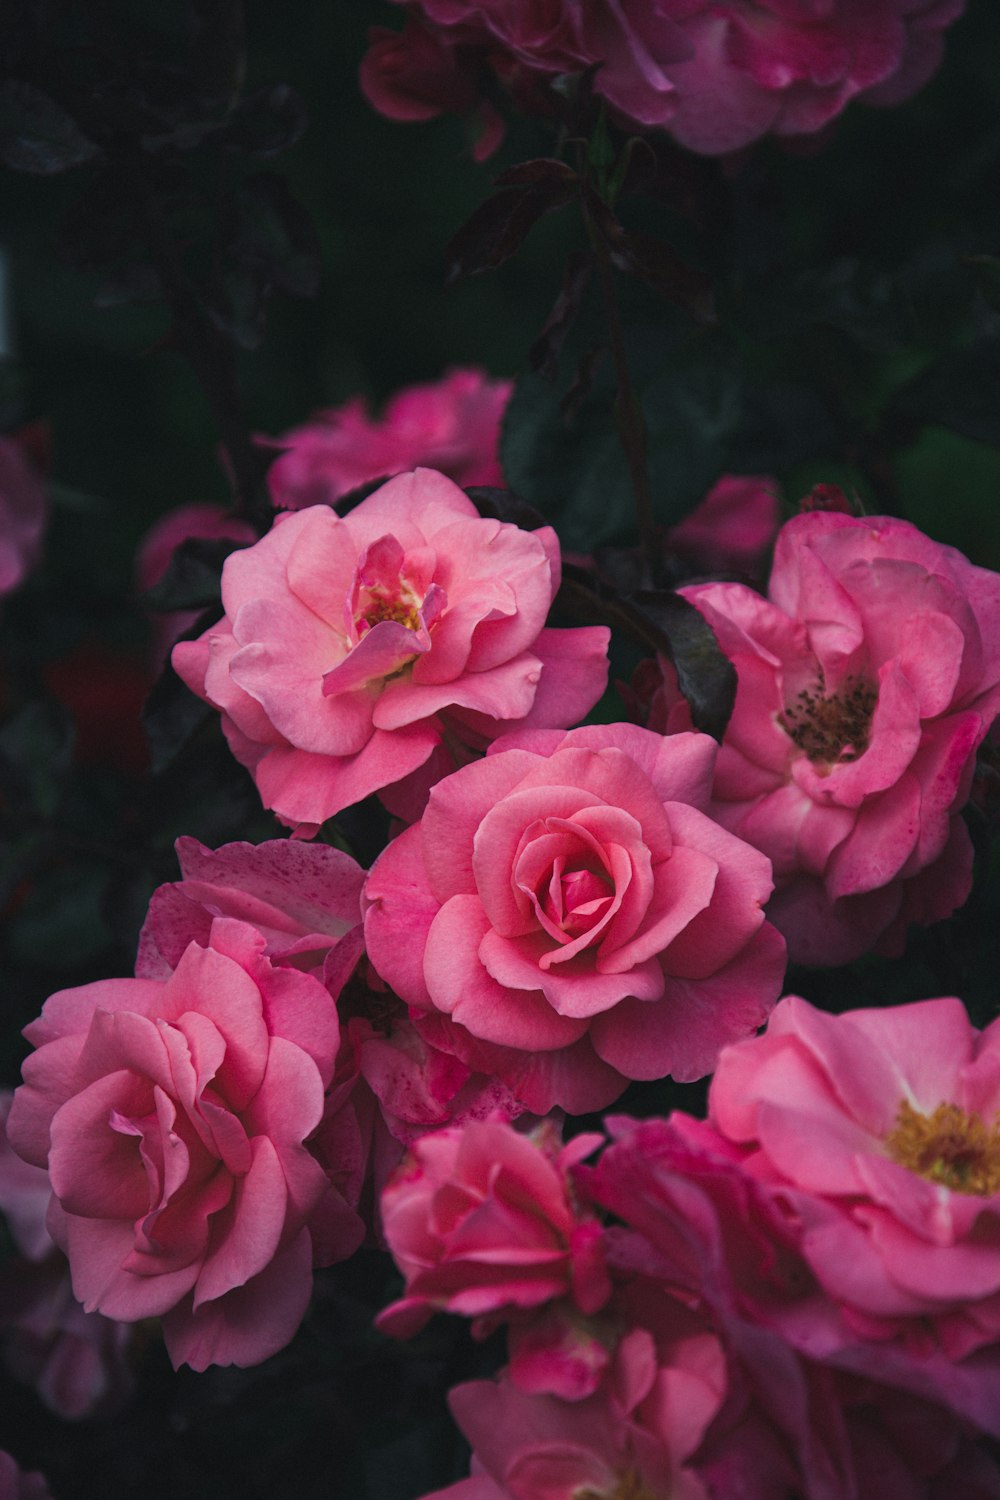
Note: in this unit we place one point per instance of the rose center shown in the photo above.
(575, 900)
(956, 1149)
(386, 603)
(832, 728)
(630, 1486)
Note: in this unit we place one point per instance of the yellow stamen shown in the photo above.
(956, 1149)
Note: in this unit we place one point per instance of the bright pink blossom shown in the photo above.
(886, 1123)
(452, 425)
(566, 917)
(867, 679)
(482, 1222)
(717, 74)
(352, 645)
(173, 1118)
(633, 1438)
(305, 899)
(24, 512)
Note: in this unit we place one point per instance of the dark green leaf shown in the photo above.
(36, 754)
(36, 133)
(193, 574)
(171, 716)
(498, 227)
(958, 391)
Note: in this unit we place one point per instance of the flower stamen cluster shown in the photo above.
(835, 727)
(949, 1146)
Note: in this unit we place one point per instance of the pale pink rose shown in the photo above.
(15, 1485)
(733, 528)
(24, 513)
(867, 679)
(481, 1221)
(173, 1117)
(76, 1361)
(452, 425)
(351, 646)
(717, 74)
(305, 899)
(889, 1122)
(631, 1440)
(566, 917)
(188, 522)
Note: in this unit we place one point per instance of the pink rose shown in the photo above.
(717, 74)
(305, 899)
(481, 1221)
(452, 425)
(24, 512)
(631, 1440)
(351, 646)
(867, 680)
(155, 551)
(173, 1118)
(884, 1122)
(566, 917)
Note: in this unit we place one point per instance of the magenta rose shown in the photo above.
(717, 74)
(886, 1124)
(566, 917)
(351, 646)
(305, 899)
(16, 1485)
(867, 679)
(173, 1118)
(452, 425)
(481, 1221)
(733, 528)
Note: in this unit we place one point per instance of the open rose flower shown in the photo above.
(452, 425)
(867, 679)
(569, 918)
(482, 1222)
(351, 645)
(173, 1118)
(716, 75)
(886, 1123)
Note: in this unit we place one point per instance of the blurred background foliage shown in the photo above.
(856, 284)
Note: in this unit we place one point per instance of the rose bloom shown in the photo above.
(631, 1440)
(482, 1222)
(732, 530)
(566, 917)
(452, 425)
(867, 679)
(305, 899)
(886, 1123)
(716, 75)
(352, 645)
(173, 1118)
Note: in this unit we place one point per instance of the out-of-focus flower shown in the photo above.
(716, 75)
(173, 1117)
(571, 919)
(353, 648)
(452, 425)
(24, 512)
(867, 680)
(155, 551)
(16, 1485)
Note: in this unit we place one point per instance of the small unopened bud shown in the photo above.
(828, 497)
